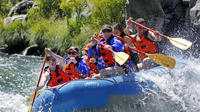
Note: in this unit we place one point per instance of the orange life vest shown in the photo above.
(127, 50)
(92, 66)
(146, 45)
(107, 56)
(71, 72)
(57, 77)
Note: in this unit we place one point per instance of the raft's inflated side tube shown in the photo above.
(83, 94)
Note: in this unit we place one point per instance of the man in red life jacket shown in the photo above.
(145, 41)
(53, 74)
(98, 51)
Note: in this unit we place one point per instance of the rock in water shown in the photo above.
(21, 7)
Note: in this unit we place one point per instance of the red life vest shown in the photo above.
(145, 45)
(107, 56)
(57, 77)
(92, 66)
(71, 72)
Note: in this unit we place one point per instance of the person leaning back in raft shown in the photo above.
(145, 41)
(74, 66)
(96, 50)
(53, 74)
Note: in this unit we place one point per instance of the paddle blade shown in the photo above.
(163, 60)
(180, 43)
(29, 99)
(121, 57)
(30, 110)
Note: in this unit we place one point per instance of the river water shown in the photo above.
(179, 89)
(18, 77)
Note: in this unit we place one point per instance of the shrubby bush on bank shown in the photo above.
(58, 24)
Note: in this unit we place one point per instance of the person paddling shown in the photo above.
(96, 50)
(145, 41)
(133, 60)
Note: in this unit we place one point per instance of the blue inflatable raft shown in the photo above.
(91, 94)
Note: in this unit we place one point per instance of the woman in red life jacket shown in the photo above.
(118, 31)
(53, 74)
(145, 41)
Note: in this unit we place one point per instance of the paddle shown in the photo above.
(38, 92)
(160, 59)
(67, 64)
(178, 42)
(29, 99)
(30, 110)
(120, 57)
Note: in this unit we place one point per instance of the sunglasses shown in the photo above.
(106, 30)
(73, 53)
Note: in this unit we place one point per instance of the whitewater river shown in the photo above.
(180, 89)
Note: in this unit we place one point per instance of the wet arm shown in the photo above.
(44, 81)
(128, 25)
(154, 36)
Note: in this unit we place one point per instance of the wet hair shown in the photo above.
(120, 28)
(141, 21)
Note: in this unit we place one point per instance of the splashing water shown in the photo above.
(12, 102)
(183, 86)
(18, 76)
(179, 88)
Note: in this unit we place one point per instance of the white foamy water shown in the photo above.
(18, 77)
(12, 102)
(179, 88)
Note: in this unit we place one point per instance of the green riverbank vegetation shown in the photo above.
(58, 24)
